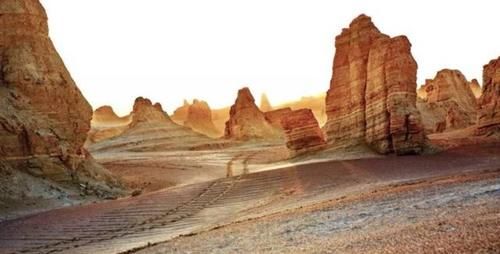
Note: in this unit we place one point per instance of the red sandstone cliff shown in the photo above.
(489, 103)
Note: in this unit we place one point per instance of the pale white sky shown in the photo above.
(117, 50)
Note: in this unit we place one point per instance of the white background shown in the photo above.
(117, 50)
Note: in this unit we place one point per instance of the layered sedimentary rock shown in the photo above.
(476, 88)
(302, 131)
(265, 105)
(44, 119)
(316, 103)
(151, 129)
(489, 103)
(450, 103)
(393, 123)
(274, 117)
(372, 94)
(199, 119)
(144, 112)
(180, 114)
(246, 121)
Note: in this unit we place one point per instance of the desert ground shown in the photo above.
(445, 202)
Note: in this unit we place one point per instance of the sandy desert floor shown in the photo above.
(375, 204)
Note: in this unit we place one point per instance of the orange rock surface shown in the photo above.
(265, 105)
(44, 118)
(302, 131)
(246, 121)
(144, 112)
(489, 103)
(372, 94)
(199, 119)
(274, 117)
(450, 102)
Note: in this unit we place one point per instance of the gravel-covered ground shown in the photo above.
(454, 214)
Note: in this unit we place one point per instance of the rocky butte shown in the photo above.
(489, 103)
(372, 95)
(144, 112)
(246, 121)
(302, 131)
(44, 118)
(199, 119)
(450, 103)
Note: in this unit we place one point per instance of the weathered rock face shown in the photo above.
(44, 119)
(302, 131)
(372, 94)
(476, 88)
(265, 105)
(246, 121)
(199, 119)
(144, 112)
(180, 114)
(489, 103)
(43, 112)
(393, 123)
(274, 117)
(450, 102)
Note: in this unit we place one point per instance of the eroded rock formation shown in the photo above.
(199, 119)
(44, 119)
(265, 105)
(274, 117)
(105, 114)
(180, 114)
(489, 103)
(372, 94)
(450, 103)
(246, 121)
(302, 131)
(144, 112)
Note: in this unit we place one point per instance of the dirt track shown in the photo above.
(122, 225)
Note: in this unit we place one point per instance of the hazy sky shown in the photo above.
(117, 50)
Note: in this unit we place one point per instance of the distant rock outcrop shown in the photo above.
(450, 102)
(489, 103)
(199, 119)
(105, 114)
(180, 114)
(274, 117)
(44, 118)
(144, 112)
(246, 121)
(265, 105)
(372, 94)
(302, 131)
